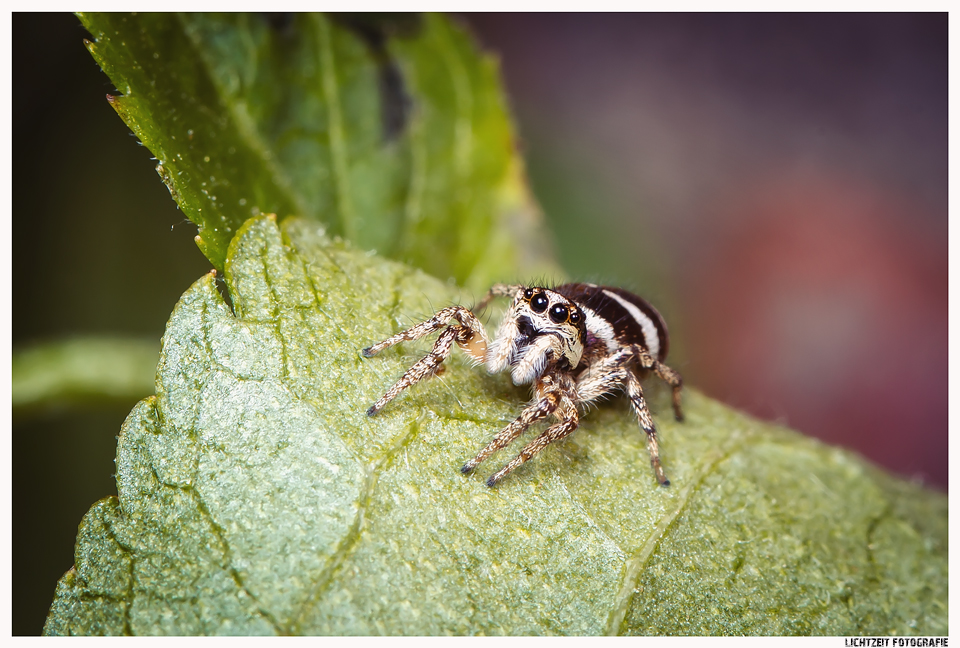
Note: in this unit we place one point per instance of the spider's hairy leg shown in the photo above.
(617, 370)
(468, 335)
(569, 421)
(541, 408)
(667, 375)
(604, 378)
(496, 290)
(635, 394)
(435, 323)
(425, 366)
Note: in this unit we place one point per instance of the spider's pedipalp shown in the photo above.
(533, 359)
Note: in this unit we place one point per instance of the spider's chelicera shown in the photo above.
(575, 343)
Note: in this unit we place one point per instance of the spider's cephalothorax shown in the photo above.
(575, 343)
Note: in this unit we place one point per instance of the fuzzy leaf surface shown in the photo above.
(256, 497)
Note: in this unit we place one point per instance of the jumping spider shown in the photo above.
(575, 343)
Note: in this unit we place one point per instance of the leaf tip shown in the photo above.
(91, 46)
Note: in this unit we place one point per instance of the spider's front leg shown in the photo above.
(555, 397)
(539, 409)
(569, 421)
(468, 334)
(496, 290)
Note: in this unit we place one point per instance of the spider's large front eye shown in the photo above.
(539, 303)
(559, 314)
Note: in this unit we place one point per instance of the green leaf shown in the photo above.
(255, 496)
(82, 370)
(393, 133)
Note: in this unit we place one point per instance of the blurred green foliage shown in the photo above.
(399, 143)
(82, 371)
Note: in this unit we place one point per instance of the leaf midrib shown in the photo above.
(245, 128)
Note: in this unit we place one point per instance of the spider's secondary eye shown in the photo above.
(539, 303)
(559, 314)
(528, 293)
(575, 317)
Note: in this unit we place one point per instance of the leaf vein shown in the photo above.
(350, 540)
(246, 128)
(638, 561)
(338, 148)
(227, 556)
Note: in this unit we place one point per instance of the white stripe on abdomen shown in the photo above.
(646, 324)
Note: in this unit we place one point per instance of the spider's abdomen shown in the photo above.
(618, 317)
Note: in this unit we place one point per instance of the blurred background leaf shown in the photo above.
(390, 131)
(82, 371)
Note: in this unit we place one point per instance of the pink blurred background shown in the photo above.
(776, 184)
